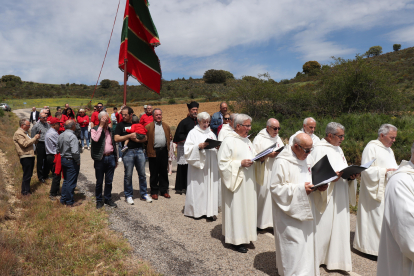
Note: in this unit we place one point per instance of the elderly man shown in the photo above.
(95, 116)
(333, 217)
(239, 199)
(34, 115)
(147, 117)
(396, 247)
(134, 157)
(202, 196)
(159, 138)
(180, 136)
(104, 154)
(68, 148)
(227, 128)
(372, 188)
(217, 118)
(264, 139)
(293, 209)
(51, 143)
(41, 127)
(309, 126)
(24, 148)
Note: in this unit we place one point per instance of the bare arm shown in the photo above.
(119, 138)
(139, 141)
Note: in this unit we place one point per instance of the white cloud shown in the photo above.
(402, 35)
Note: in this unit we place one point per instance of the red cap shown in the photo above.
(54, 120)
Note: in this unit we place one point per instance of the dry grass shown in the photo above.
(45, 238)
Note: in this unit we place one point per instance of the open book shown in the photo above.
(322, 172)
(354, 169)
(212, 143)
(265, 152)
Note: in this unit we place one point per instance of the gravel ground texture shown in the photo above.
(177, 245)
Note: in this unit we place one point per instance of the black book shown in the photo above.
(280, 149)
(355, 169)
(322, 172)
(212, 143)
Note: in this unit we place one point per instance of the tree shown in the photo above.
(396, 47)
(312, 68)
(11, 78)
(105, 83)
(214, 76)
(374, 51)
(250, 78)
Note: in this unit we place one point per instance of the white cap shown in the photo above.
(145, 106)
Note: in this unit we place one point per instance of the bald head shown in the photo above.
(309, 125)
(34, 108)
(302, 145)
(272, 127)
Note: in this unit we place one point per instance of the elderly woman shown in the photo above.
(203, 177)
(83, 121)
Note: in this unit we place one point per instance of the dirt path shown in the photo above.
(177, 245)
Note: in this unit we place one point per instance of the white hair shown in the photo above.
(240, 119)
(81, 110)
(43, 111)
(203, 116)
(69, 124)
(101, 114)
(332, 128)
(385, 128)
(305, 122)
(269, 122)
(233, 116)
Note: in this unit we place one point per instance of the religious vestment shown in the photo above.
(203, 177)
(180, 136)
(371, 195)
(332, 213)
(315, 138)
(396, 248)
(263, 173)
(239, 201)
(293, 215)
(225, 129)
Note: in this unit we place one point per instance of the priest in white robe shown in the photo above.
(203, 178)
(293, 209)
(396, 248)
(264, 139)
(239, 201)
(227, 128)
(372, 188)
(333, 216)
(309, 126)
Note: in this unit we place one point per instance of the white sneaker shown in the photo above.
(119, 159)
(147, 198)
(130, 201)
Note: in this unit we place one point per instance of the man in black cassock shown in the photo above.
(180, 136)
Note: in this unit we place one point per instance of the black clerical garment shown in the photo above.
(184, 128)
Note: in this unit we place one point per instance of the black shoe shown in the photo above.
(213, 218)
(240, 248)
(99, 204)
(111, 203)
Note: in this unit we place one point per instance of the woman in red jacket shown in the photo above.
(83, 121)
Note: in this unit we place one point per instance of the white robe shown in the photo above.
(203, 178)
(371, 194)
(239, 201)
(293, 215)
(333, 216)
(396, 248)
(263, 173)
(225, 129)
(315, 138)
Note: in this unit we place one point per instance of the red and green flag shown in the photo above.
(139, 37)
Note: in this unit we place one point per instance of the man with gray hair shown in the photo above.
(263, 140)
(239, 200)
(41, 127)
(372, 189)
(309, 126)
(333, 217)
(68, 147)
(396, 247)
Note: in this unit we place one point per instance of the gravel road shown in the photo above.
(176, 245)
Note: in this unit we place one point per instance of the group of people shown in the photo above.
(311, 226)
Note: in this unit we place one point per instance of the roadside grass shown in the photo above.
(45, 238)
(51, 102)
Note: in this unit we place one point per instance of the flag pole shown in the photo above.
(125, 80)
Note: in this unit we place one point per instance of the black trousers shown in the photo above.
(28, 166)
(181, 177)
(158, 167)
(54, 189)
(42, 167)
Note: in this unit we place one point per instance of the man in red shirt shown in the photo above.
(94, 117)
(147, 117)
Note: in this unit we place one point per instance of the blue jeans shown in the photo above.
(84, 136)
(120, 153)
(131, 158)
(106, 167)
(70, 174)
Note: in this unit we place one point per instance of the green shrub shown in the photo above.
(374, 51)
(284, 81)
(250, 78)
(396, 47)
(1, 112)
(105, 83)
(229, 76)
(311, 68)
(11, 78)
(171, 101)
(214, 76)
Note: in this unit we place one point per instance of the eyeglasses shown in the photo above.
(339, 136)
(100, 106)
(305, 150)
(248, 126)
(227, 119)
(43, 117)
(275, 128)
(27, 125)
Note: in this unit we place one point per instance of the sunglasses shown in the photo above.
(305, 150)
(339, 136)
(226, 119)
(275, 128)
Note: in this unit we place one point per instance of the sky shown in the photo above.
(65, 41)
